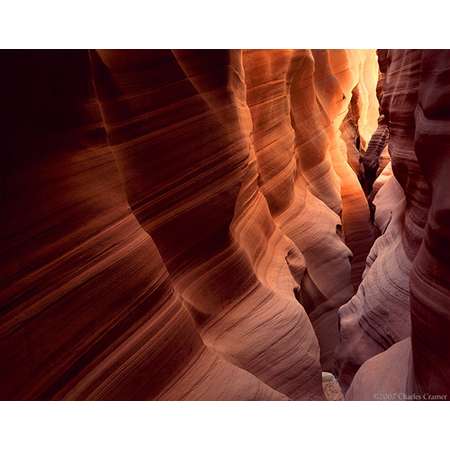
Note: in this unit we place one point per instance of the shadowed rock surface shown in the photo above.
(186, 224)
(415, 315)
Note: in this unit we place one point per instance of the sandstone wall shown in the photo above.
(173, 222)
(407, 312)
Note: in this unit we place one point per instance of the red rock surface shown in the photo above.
(415, 247)
(430, 277)
(88, 308)
(179, 225)
(183, 146)
(378, 315)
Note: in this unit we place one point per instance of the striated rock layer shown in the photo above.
(416, 315)
(180, 128)
(378, 315)
(179, 224)
(288, 137)
(338, 79)
(88, 309)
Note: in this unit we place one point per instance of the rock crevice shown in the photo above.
(190, 225)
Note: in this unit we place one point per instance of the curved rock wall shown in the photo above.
(378, 315)
(415, 316)
(180, 128)
(356, 71)
(173, 223)
(430, 277)
(286, 136)
(88, 308)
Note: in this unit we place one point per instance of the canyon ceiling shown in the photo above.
(225, 225)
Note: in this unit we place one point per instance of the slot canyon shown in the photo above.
(225, 225)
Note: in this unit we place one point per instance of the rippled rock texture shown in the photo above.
(186, 224)
(297, 105)
(88, 308)
(402, 303)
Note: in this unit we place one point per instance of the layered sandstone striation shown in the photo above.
(179, 125)
(190, 225)
(88, 307)
(379, 315)
(412, 322)
(430, 286)
(289, 140)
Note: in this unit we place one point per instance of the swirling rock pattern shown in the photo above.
(352, 74)
(88, 309)
(287, 136)
(179, 224)
(371, 158)
(430, 286)
(180, 128)
(378, 315)
(417, 102)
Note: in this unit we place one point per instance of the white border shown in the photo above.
(224, 24)
(222, 425)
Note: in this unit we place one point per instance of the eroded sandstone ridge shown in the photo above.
(187, 224)
(88, 308)
(402, 303)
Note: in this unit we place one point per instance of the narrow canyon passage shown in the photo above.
(225, 225)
